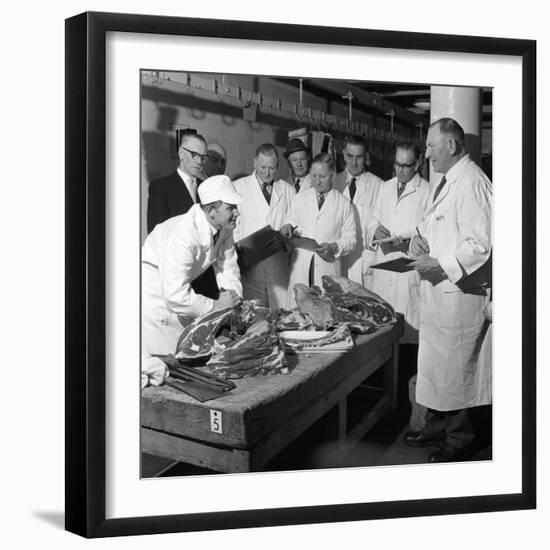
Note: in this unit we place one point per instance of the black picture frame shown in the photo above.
(86, 261)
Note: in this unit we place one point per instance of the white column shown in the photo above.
(465, 106)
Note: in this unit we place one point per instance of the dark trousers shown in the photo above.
(461, 427)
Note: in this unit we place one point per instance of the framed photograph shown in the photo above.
(280, 449)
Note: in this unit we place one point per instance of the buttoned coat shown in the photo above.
(175, 253)
(267, 280)
(334, 222)
(399, 215)
(356, 264)
(454, 359)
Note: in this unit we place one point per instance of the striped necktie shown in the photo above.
(439, 188)
(266, 190)
(320, 200)
(400, 189)
(352, 188)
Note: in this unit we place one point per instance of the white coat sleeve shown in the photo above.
(176, 264)
(348, 235)
(373, 221)
(228, 275)
(474, 225)
(292, 217)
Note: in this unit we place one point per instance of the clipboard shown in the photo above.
(399, 265)
(303, 242)
(252, 250)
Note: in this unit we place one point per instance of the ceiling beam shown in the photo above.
(369, 100)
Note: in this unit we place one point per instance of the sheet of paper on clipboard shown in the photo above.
(304, 242)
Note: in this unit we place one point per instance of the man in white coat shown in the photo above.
(361, 188)
(324, 214)
(398, 210)
(265, 202)
(174, 254)
(297, 156)
(454, 359)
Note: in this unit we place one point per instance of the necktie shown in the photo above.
(439, 187)
(216, 237)
(193, 189)
(266, 190)
(297, 185)
(400, 189)
(320, 200)
(352, 188)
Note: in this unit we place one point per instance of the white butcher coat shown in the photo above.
(305, 182)
(267, 281)
(174, 254)
(356, 264)
(400, 216)
(335, 222)
(454, 360)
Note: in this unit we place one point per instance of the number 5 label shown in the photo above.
(216, 421)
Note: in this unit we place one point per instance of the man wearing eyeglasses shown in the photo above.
(361, 188)
(176, 193)
(266, 201)
(398, 210)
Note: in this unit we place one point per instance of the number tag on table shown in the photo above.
(216, 421)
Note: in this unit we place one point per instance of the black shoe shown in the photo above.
(420, 439)
(447, 453)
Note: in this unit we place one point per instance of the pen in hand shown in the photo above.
(418, 248)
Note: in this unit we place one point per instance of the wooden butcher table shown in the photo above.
(246, 428)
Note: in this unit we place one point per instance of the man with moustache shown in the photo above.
(265, 202)
(297, 156)
(452, 255)
(361, 188)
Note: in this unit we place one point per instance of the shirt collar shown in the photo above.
(349, 177)
(185, 177)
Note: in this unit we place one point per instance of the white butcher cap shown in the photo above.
(218, 188)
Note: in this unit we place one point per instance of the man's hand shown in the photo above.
(419, 246)
(401, 244)
(286, 231)
(228, 298)
(429, 269)
(327, 251)
(381, 233)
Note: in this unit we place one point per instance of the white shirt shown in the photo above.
(190, 183)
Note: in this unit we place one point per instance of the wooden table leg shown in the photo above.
(391, 373)
(342, 419)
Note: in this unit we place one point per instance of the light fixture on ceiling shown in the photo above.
(423, 105)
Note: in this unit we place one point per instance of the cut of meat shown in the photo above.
(256, 352)
(320, 309)
(367, 305)
(197, 342)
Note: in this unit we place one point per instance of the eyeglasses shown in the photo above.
(195, 155)
(397, 165)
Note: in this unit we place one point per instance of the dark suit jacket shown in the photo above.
(169, 197)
